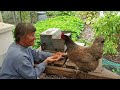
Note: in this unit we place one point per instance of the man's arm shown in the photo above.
(40, 55)
(26, 70)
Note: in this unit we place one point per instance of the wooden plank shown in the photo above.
(60, 63)
(67, 72)
(60, 71)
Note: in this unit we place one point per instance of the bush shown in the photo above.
(89, 17)
(109, 27)
(60, 13)
(65, 23)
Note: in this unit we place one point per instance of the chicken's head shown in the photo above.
(62, 35)
(66, 38)
(99, 40)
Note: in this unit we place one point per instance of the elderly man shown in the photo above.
(20, 57)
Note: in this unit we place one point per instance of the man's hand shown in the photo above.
(53, 58)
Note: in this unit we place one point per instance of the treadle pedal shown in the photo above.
(58, 63)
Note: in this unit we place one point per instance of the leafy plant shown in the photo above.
(109, 27)
(60, 13)
(65, 23)
(88, 17)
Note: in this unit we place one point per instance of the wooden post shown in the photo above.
(31, 17)
(1, 20)
(21, 16)
(14, 17)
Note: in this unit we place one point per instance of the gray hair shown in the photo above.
(23, 29)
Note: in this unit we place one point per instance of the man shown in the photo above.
(20, 57)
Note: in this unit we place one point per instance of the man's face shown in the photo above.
(28, 39)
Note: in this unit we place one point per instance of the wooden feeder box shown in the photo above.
(51, 40)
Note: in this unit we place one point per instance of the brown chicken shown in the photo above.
(85, 58)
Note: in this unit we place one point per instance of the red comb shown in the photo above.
(62, 33)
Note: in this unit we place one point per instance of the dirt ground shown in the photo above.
(46, 76)
(113, 58)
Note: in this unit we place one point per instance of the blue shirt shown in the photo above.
(19, 63)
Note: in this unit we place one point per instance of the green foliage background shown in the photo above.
(108, 26)
(60, 13)
(65, 23)
(89, 17)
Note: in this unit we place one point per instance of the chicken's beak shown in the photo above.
(103, 41)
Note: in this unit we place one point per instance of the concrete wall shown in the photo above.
(6, 38)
